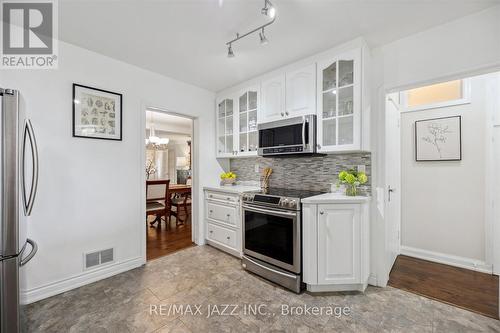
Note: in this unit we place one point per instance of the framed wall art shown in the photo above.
(97, 113)
(438, 139)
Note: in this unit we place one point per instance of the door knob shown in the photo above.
(321, 213)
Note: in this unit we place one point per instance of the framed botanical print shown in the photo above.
(97, 113)
(438, 139)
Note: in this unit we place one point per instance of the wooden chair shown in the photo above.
(158, 201)
(181, 203)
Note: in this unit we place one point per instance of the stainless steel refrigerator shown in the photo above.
(18, 186)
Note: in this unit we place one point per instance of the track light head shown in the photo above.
(263, 39)
(269, 9)
(230, 53)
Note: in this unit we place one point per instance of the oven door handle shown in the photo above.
(304, 122)
(270, 269)
(267, 211)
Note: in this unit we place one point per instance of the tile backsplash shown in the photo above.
(308, 173)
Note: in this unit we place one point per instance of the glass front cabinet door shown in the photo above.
(339, 103)
(247, 135)
(225, 127)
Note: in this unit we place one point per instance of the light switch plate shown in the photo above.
(256, 168)
(361, 168)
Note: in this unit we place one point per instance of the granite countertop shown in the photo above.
(233, 189)
(335, 198)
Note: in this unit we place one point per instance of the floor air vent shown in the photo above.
(98, 258)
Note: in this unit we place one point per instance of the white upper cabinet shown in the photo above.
(226, 111)
(237, 115)
(331, 86)
(339, 103)
(301, 91)
(273, 99)
(247, 135)
(289, 95)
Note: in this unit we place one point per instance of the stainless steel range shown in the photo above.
(272, 241)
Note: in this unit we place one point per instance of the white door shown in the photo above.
(339, 103)
(301, 91)
(496, 200)
(339, 254)
(272, 99)
(393, 179)
(246, 135)
(225, 127)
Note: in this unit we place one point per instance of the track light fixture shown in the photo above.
(263, 39)
(230, 53)
(268, 10)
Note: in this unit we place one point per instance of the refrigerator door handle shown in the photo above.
(29, 201)
(34, 249)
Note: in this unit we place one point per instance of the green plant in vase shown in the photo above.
(228, 178)
(352, 179)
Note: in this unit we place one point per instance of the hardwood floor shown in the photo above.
(161, 241)
(470, 290)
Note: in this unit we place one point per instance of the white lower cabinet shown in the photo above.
(335, 246)
(223, 221)
(222, 235)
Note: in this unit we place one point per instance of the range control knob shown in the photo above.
(292, 204)
(284, 202)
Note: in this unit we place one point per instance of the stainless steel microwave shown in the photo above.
(291, 136)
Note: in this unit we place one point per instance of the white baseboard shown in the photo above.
(468, 263)
(372, 281)
(51, 289)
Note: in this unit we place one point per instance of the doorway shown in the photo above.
(440, 186)
(169, 179)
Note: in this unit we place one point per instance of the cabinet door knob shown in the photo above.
(286, 113)
(228, 215)
(319, 146)
(211, 211)
(321, 213)
(282, 114)
(211, 231)
(228, 237)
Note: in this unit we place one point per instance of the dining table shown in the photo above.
(179, 188)
(175, 190)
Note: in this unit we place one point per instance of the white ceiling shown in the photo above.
(185, 39)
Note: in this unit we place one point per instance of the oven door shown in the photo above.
(273, 236)
(288, 136)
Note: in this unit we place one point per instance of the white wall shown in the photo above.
(444, 203)
(464, 47)
(91, 191)
(64, 224)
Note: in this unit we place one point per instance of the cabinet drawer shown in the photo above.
(222, 213)
(221, 235)
(229, 198)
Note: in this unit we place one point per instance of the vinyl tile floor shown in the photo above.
(201, 289)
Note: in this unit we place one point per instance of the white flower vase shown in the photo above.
(228, 182)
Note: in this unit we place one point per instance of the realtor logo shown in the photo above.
(29, 34)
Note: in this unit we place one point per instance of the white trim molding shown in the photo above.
(447, 259)
(86, 277)
(466, 97)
